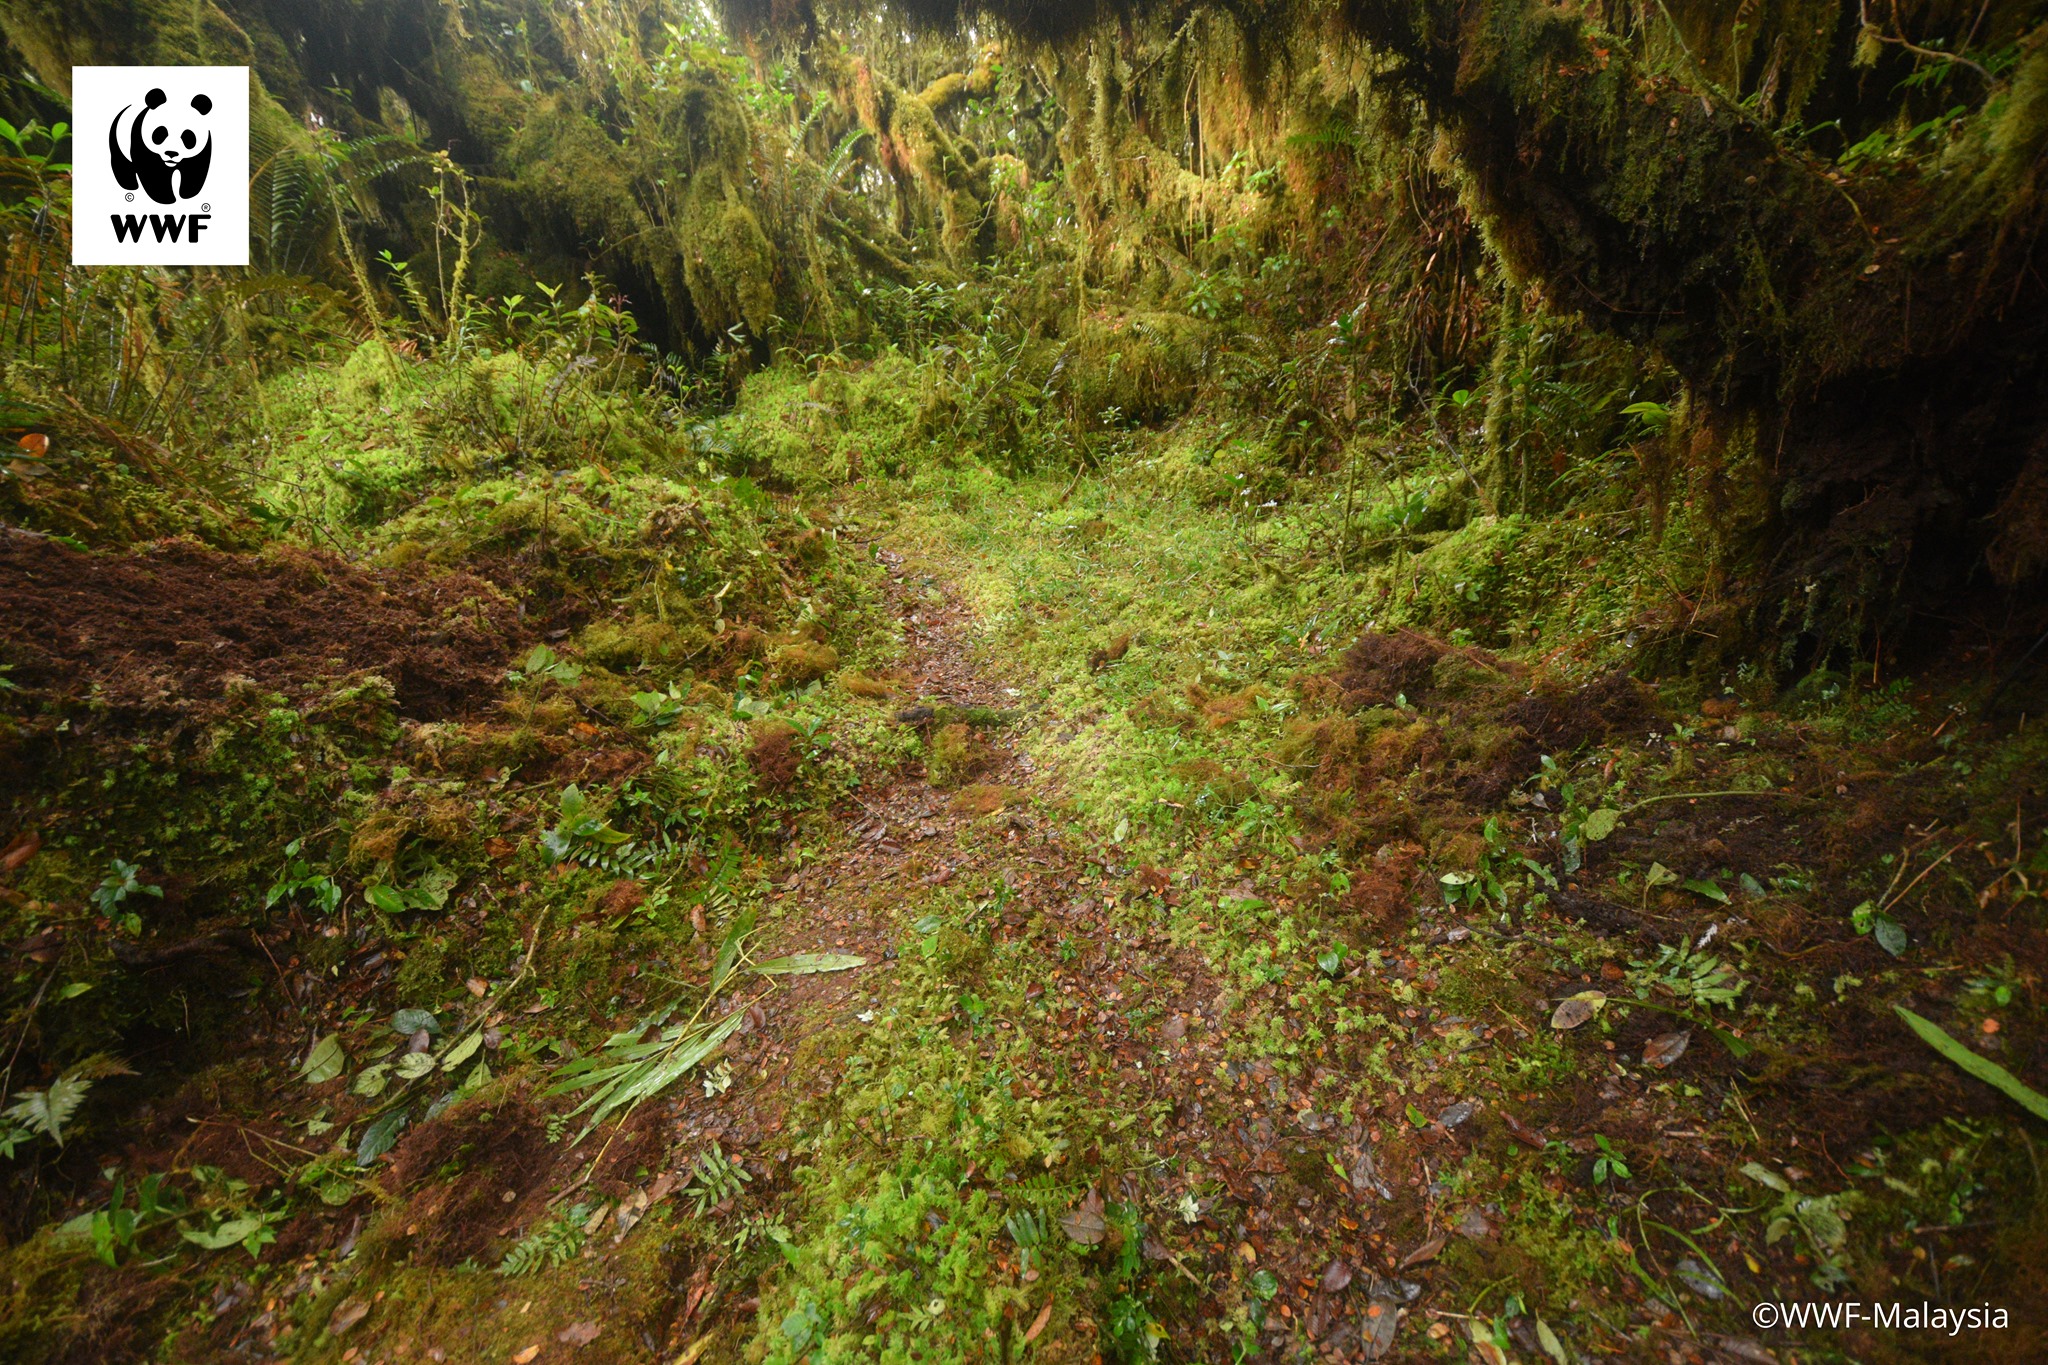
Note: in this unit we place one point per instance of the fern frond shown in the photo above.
(48, 1111)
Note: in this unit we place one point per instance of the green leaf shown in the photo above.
(1764, 1175)
(324, 1062)
(461, 1052)
(1710, 889)
(809, 964)
(1660, 875)
(380, 1137)
(1891, 935)
(414, 1065)
(729, 951)
(224, 1236)
(411, 1021)
(1983, 1068)
(371, 1080)
(389, 899)
(1600, 823)
(74, 990)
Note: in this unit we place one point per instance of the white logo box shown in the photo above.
(160, 165)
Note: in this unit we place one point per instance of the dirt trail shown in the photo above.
(1102, 927)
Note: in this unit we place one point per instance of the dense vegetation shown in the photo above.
(1095, 682)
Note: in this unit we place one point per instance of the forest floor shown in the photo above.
(1224, 992)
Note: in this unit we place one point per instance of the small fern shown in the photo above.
(46, 1112)
(715, 1178)
(553, 1243)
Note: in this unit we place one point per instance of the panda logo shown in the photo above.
(166, 149)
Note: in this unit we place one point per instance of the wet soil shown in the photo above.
(168, 628)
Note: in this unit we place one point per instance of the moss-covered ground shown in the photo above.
(1244, 954)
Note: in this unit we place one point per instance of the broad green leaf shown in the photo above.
(1764, 1175)
(1708, 888)
(389, 899)
(224, 1236)
(324, 1062)
(74, 990)
(411, 1021)
(462, 1051)
(808, 964)
(414, 1065)
(1982, 1067)
(1890, 934)
(371, 1080)
(1600, 823)
(380, 1137)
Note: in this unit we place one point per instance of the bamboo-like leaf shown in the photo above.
(645, 1080)
(729, 951)
(1982, 1067)
(808, 964)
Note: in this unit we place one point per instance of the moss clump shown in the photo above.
(641, 641)
(861, 685)
(955, 755)
(803, 661)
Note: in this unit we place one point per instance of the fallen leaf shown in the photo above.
(478, 987)
(1522, 1132)
(1336, 1275)
(1038, 1323)
(631, 1209)
(578, 1334)
(521, 1357)
(1426, 1252)
(20, 851)
(1475, 1225)
(346, 1315)
(1666, 1048)
(1484, 1351)
(1382, 1316)
(1577, 1010)
(1085, 1224)
(36, 444)
(809, 964)
(1455, 1114)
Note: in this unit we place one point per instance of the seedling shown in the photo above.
(114, 891)
(1608, 1166)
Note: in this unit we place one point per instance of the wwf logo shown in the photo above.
(160, 173)
(162, 149)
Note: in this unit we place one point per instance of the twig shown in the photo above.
(1701, 796)
(7, 1077)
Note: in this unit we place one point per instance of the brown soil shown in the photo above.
(164, 629)
(1381, 667)
(479, 1165)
